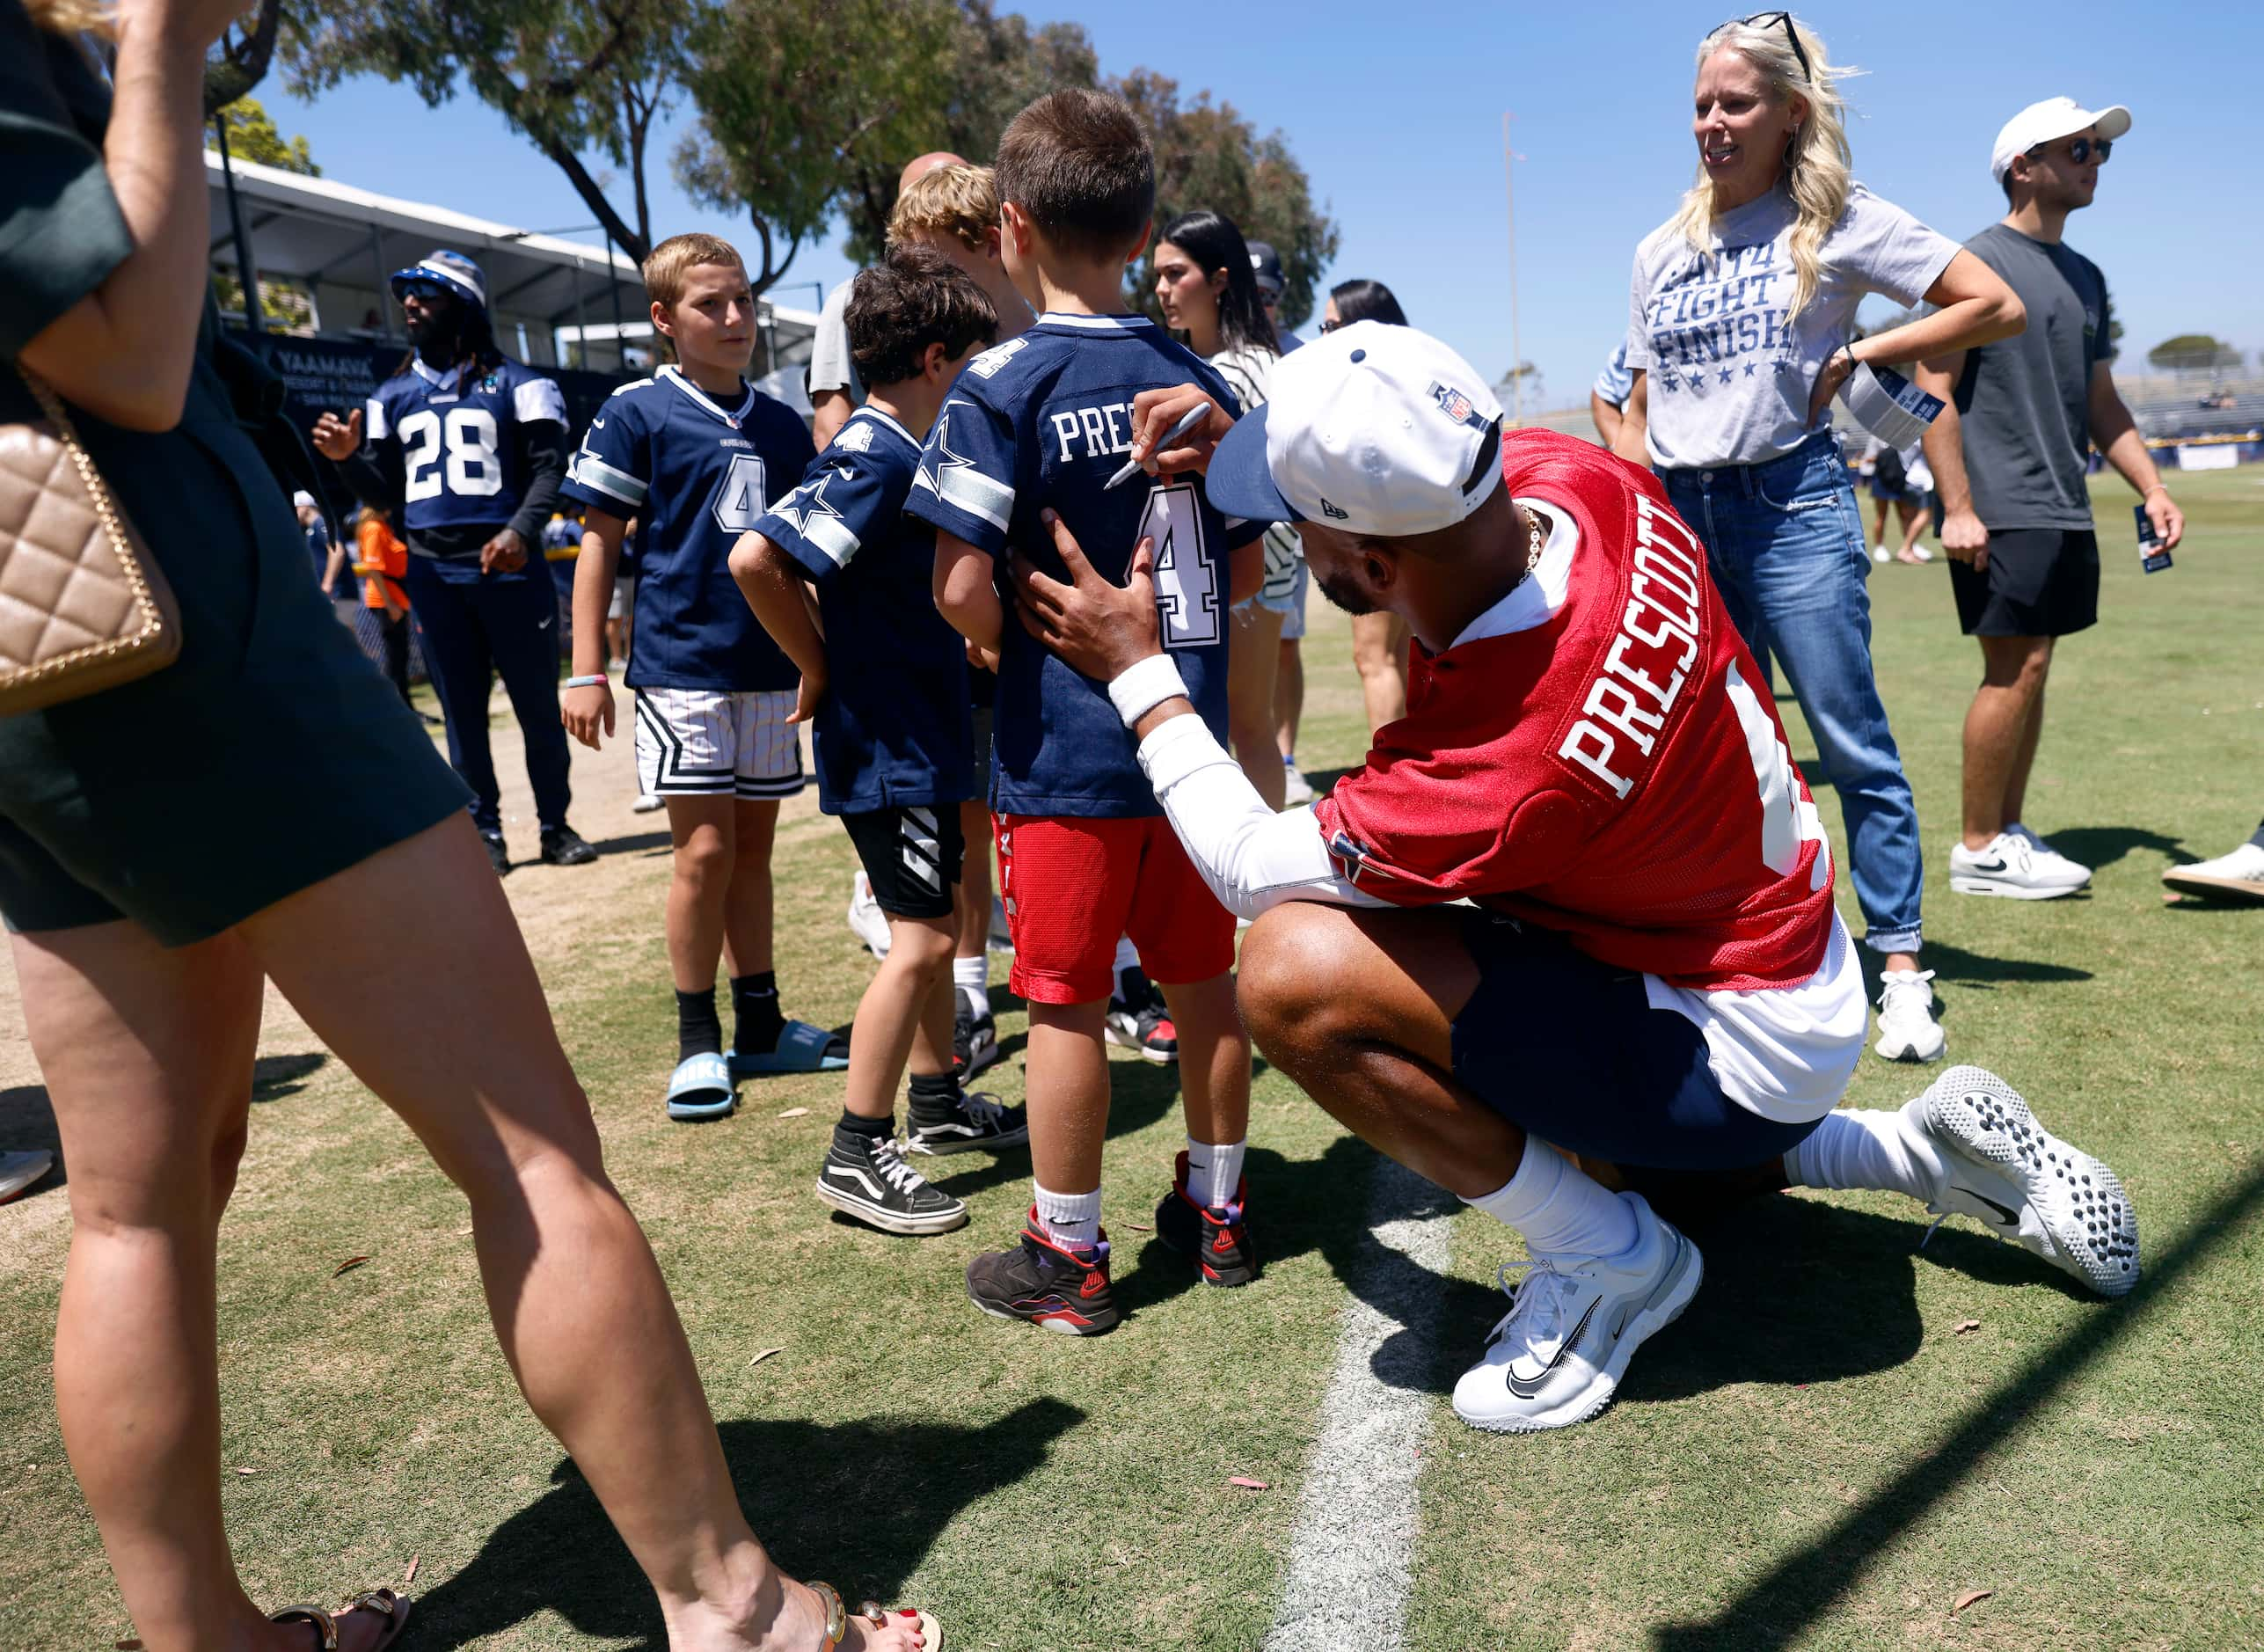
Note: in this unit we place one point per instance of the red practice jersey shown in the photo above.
(1617, 773)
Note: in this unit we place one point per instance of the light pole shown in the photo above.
(1509, 157)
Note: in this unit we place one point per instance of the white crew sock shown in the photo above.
(1885, 1152)
(1127, 955)
(1559, 1209)
(1071, 1220)
(972, 978)
(1214, 1170)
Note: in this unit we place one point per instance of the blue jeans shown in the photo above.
(1784, 545)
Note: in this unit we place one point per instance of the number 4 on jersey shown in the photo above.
(739, 498)
(1186, 579)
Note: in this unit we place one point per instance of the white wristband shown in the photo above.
(1145, 686)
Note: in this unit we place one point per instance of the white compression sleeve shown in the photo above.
(1252, 858)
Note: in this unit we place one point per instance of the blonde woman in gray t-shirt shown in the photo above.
(1740, 318)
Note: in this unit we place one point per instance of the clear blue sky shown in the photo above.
(1396, 114)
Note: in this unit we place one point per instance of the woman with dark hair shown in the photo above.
(149, 907)
(1208, 295)
(1379, 640)
(1361, 300)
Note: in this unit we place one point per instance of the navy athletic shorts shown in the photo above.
(1570, 1050)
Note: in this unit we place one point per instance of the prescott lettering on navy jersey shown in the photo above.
(895, 726)
(697, 475)
(1043, 420)
(464, 454)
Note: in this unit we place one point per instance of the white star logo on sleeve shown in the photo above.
(797, 507)
(959, 483)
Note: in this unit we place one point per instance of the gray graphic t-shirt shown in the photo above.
(1729, 374)
(2024, 403)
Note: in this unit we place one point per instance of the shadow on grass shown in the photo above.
(632, 842)
(2097, 846)
(1955, 967)
(27, 1117)
(1778, 1608)
(856, 1504)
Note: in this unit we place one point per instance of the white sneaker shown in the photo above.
(2047, 858)
(1296, 791)
(1557, 1356)
(1881, 553)
(20, 1170)
(2239, 876)
(1907, 1029)
(866, 921)
(2009, 867)
(2026, 1184)
(646, 804)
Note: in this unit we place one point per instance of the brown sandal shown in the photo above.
(395, 1607)
(836, 1619)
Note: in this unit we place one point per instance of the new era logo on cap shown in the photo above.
(1374, 429)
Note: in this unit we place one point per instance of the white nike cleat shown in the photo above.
(2024, 1183)
(2239, 876)
(1907, 1029)
(2009, 867)
(2049, 860)
(1557, 1356)
(866, 921)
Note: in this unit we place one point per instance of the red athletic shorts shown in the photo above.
(1072, 885)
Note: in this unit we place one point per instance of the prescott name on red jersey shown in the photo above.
(1616, 772)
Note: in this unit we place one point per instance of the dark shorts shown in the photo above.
(2040, 582)
(268, 756)
(911, 854)
(1571, 1050)
(979, 774)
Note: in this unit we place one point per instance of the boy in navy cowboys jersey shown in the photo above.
(885, 685)
(696, 455)
(1034, 427)
(465, 450)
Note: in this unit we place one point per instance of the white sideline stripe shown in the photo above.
(1352, 1550)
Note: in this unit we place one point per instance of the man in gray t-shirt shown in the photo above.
(2010, 454)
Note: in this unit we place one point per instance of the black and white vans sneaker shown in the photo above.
(977, 1120)
(869, 1180)
(2026, 1184)
(973, 1040)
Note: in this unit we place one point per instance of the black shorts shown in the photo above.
(2040, 582)
(1571, 1050)
(912, 855)
(979, 773)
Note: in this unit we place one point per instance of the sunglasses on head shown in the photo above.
(2081, 150)
(1770, 21)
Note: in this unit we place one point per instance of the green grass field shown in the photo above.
(1815, 1456)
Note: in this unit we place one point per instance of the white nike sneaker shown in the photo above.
(2008, 867)
(2047, 859)
(2024, 1183)
(646, 803)
(866, 921)
(1296, 791)
(2239, 876)
(1557, 1356)
(1907, 1029)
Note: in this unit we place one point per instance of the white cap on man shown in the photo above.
(303, 499)
(2053, 118)
(1374, 429)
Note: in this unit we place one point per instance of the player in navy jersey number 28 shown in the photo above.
(885, 684)
(1035, 427)
(466, 449)
(1650, 974)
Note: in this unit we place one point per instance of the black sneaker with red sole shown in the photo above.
(1218, 1239)
(1049, 1287)
(1139, 1020)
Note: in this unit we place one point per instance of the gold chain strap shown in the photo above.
(105, 511)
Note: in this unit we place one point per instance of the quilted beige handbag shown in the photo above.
(83, 606)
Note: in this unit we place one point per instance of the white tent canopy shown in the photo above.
(338, 244)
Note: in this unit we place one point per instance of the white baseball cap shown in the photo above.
(302, 499)
(1383, 431)
(2054, 118)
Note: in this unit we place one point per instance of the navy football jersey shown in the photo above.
(697, 475)
(895, 726)
(462, 458)
(1043, 420)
